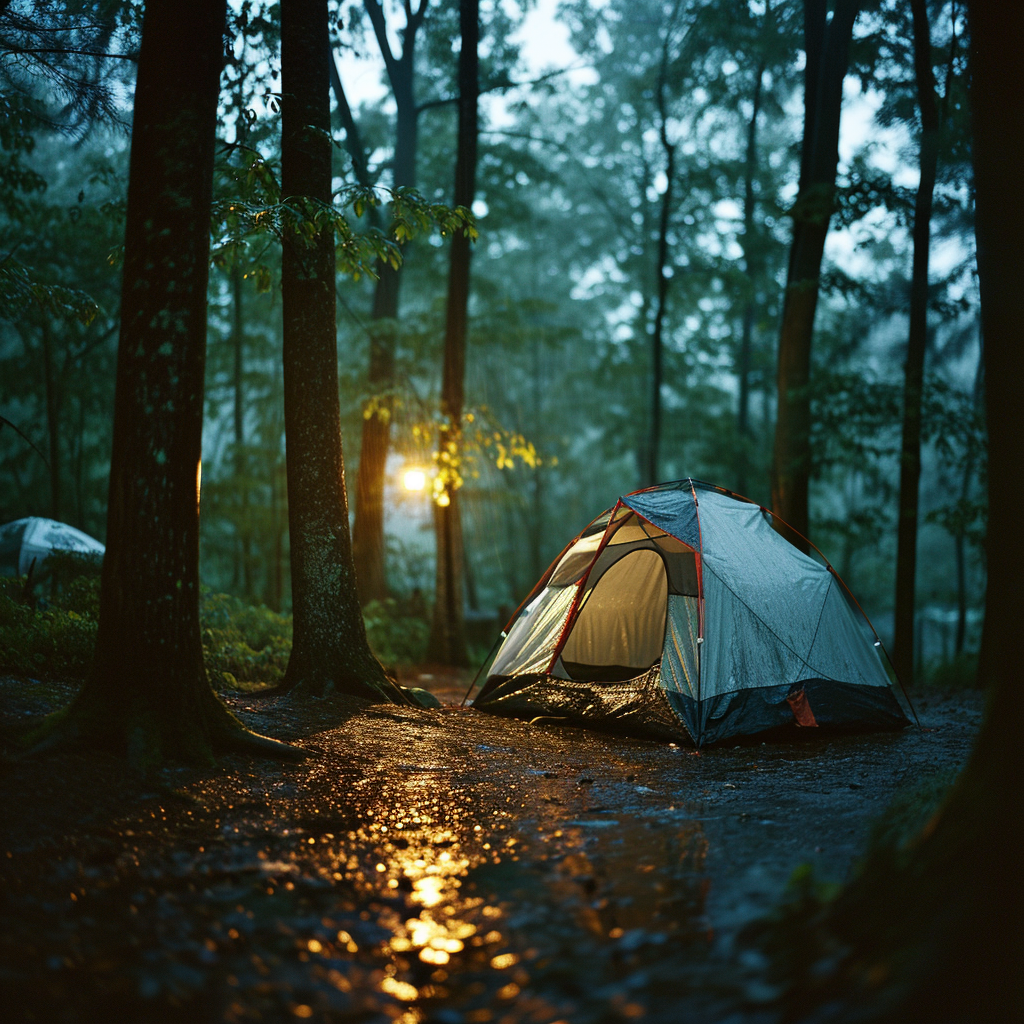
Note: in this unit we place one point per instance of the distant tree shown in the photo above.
(368, 528)
(82, 49)
(767, 51)
(826, 45)
(60, 67)
(420, 77)
(917, 343)
(448, 634)
(147, 690)
(58, 332)
(329, 647)
(662, 270)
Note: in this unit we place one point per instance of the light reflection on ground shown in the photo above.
(500, 921)
(441, 867)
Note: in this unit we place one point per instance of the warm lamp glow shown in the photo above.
(414, 480)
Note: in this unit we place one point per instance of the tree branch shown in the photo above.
(353, 140)
(376, 14)
(71, 52)
(498, 87)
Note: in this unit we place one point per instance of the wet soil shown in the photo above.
(427, 866)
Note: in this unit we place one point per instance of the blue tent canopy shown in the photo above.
(688, 616)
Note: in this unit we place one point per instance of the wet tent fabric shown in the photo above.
(688, 614)
(32, 540)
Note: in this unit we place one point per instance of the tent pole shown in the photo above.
(490, 654)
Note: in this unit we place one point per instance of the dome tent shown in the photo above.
(25, 541)
(681, 613)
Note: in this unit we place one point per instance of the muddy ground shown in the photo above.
(427, 866)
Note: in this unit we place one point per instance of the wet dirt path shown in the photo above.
(430, 866)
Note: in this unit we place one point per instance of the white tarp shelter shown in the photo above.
(34, 538)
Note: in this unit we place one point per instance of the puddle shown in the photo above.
(487, 915)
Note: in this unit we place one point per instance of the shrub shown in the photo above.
(957, 673)
(242, 643)
(51, 643)
(397, 633)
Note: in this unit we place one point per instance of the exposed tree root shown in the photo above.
(148, 738)
(45, 734)
(245, 741)
(313, 680)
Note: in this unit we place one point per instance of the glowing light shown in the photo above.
(339, 981)
(399, 989)
(314, 946)
(503, 960)
(444, 500)
(428, 891)
(414, 480)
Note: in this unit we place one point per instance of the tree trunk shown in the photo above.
(244, 549)
(657, 334)
(750, 270)
(661, 270)
(447, 643)
(54, 395)
(368, 528)
(826, 45)
(147, 690)
(329, 647)
(910, 452)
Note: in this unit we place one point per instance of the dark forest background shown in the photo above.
(637, 213)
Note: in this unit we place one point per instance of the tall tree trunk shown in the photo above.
(969, 469)
(933, 932)
(54, 394)
(329, 647)
(368, 528)
(244, 549)
(147, 690)
(917, 342)
(534, 515)
(750, 270)
(826, 43)
(661, 269)
(657, 333)
(447, 643)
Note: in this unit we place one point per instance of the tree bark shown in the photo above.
(243, 569)
(147, 690)
(661, 269)
(368, 528)
(917, 342)
(447, 643)
(54, 401)
(657, 333)
(329, 646)
(749, 242)
(826, 44)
